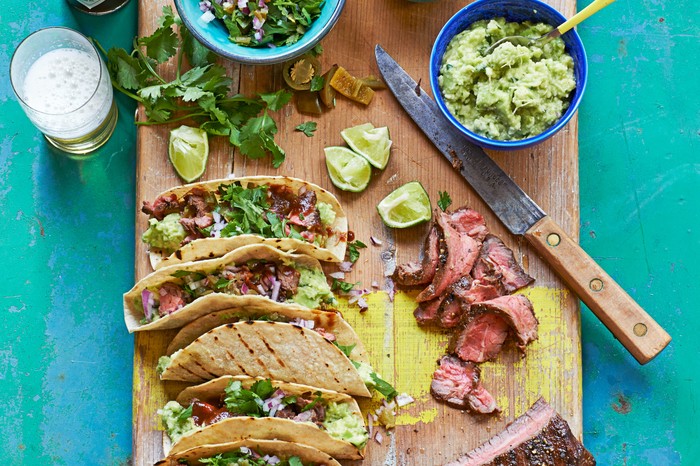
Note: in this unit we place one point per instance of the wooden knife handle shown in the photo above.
(635, 329)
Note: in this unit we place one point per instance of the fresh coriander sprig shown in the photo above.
(200, 93)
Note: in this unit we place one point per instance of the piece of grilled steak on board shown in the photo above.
(539, 436)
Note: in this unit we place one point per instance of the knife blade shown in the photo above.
(643, 337)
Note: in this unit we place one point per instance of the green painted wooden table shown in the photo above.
(67, 248)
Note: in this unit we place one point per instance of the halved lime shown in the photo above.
(348, 170)
(188, 152)
(405, 206)
(370, 142)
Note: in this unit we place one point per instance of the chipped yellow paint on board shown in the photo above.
(413, 351)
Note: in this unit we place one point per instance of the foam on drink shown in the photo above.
(71, 89)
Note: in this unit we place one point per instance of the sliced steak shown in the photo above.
(196, 200)
(457, 383)
(427, 311)
(517, 312)
(469, 221)
(481, 339)
(496, 261)
(289, 280)
(162, 206)
(539, 436)
(459, 251)
(450, 312)
(421, 273)
(303, 212)
(479, 291)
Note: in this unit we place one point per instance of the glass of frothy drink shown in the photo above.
(64, 88)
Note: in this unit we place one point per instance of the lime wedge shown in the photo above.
(348, 170)
(405, 206)
(188, 152)
(370, 142)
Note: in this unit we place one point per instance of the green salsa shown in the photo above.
(513, 93)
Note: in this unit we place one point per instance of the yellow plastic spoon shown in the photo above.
(594, 7)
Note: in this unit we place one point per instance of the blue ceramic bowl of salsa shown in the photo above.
(516, 11)
(215, 36)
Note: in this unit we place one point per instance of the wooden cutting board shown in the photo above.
(428, 432)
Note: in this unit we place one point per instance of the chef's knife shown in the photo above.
(635, 329)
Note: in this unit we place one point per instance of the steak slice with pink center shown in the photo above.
(497, 262)
(539, 436)
(458, 384)
(459, 251)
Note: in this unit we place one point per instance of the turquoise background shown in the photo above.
(67, 248)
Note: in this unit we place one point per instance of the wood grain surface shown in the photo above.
(428, 433)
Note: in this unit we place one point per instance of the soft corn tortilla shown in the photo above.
(331, 321)
(279, 448)
(267, 428)
(272, 350)
(207, 248)
(133, 310)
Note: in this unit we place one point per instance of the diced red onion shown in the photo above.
(362, 304)
(148, 303)
(375, 241)
(370, 424)
(390, 289)
(310, 324)
(379, 437)
(375, 284)
(244, 288)
(271, 459)
(246, 450)
(242, 4)
(404, 399)
(276, 285)
(337, 275)
(261, 290)
(345, 266)
(207, 17)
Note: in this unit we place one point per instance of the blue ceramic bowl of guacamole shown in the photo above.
(518, 95)
(215, 35)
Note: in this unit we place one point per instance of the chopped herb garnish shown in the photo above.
(248, 402)
(222, 283)
(317, 399)
(384, 387)
(341, 285)
(353, 250)
(200, 93)
(346, 349)
(307, 128)
(445, 200)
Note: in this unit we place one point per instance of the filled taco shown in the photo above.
(235, 408)
(276, 350)
(252, 452)
(329, 324)
(256, 274)
(208, 219)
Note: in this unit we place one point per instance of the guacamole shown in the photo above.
(513, 93)
(326, 213)
(342, 424)
(177, 420)
(166, 234)
(313, 288)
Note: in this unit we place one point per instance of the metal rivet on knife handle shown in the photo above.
(553, 239)
(596, 284)
(635, 329)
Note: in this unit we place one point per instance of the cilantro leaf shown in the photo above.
(197, 54)
(161, 45)
(317, 399)
(307, 128)
(445, 200)
(276, 100)
(346, 349)
(342, 285)
(316, 83)
(238, 400)
(353, 250)
(383, 387)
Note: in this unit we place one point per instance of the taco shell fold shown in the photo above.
(264, 428)
(279, 448)
(206, 248)
(331, 321)
(274, 350)
(133, 307)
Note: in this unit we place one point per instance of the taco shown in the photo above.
(252, 452)
(236, 408)
(276, 350)
(208, 219)
(256, 274)
(329, 324)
